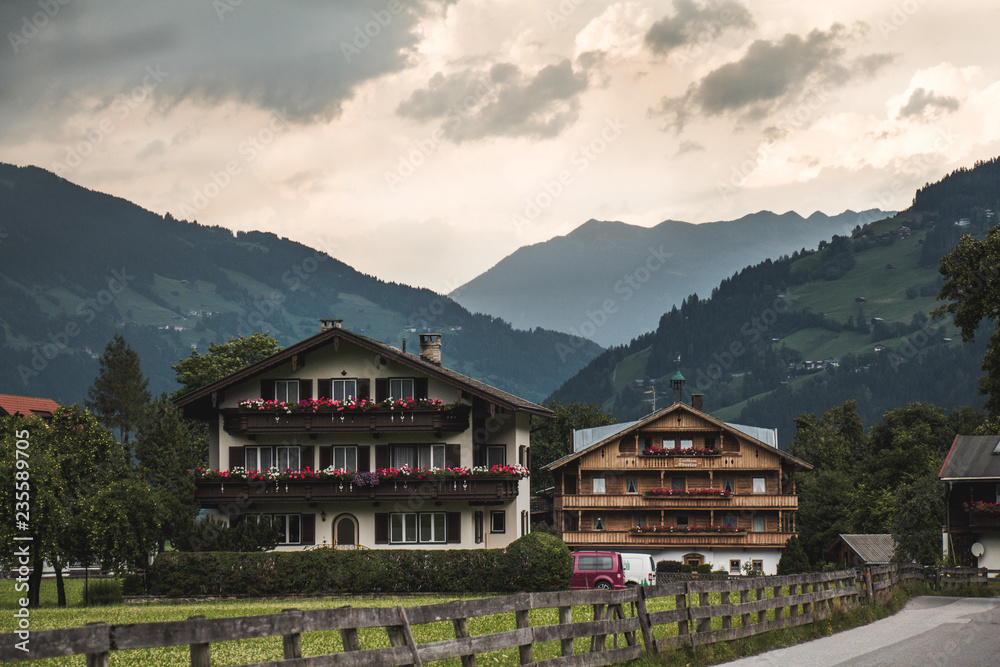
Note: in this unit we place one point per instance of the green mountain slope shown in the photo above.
(77, 265)
(809, 331)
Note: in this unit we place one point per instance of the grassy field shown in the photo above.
(314, 643)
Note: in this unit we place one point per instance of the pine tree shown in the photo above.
(793, 558)
(120, 392)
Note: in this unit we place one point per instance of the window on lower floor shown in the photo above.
(639, 520)
(258, 458)
(288, 526)
(687, 444)
(729, 520)
(598, 485)
(758, 485)
(677, 483)
(631, 485)
(428, 457)
(682, 522)
(403, 527)
(728, 484)
(345, 458)
(758, 566)
(759, 525)
(282, 457)
(288, 457)
(734, 566)
(498, 521)
(496, 455)
(599, 522)
(432, 527)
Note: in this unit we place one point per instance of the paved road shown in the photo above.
(930, 630)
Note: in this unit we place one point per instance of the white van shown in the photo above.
(640, 570)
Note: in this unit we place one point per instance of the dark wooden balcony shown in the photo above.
(241, 421)
(217, 492)
(984, 521)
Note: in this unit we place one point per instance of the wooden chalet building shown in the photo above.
(679, 485)
(971, 473)
(345, 441)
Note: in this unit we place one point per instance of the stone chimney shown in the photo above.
(430, 348)
(326, 325)
(697, 402)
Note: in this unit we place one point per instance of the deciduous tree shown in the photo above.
(222, 359)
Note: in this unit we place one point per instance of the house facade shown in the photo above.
(27, 406)
(344, 441)
(679, 485)
(971, 473)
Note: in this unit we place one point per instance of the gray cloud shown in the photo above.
(692, 23)
(690, 147)
(304, 62)
(501, 101)
(772, 74)
(926, 104)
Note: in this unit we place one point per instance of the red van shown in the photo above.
(597, 569)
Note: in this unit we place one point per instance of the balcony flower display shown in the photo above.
(647, 530)
(982, 506)
(656, 450)
(347, 405)
(719, 493)
(360, 478)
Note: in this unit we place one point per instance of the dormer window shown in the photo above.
(401, 388)
(286, 391)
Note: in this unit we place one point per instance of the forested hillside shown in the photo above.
(76, 266)
(811, 330)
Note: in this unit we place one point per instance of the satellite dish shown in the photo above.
(978, 549)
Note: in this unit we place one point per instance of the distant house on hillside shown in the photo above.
(27, 406)
(971, 473)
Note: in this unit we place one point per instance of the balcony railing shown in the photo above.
(617, 538)
(631, 500)
(216, 492)
(243, 421)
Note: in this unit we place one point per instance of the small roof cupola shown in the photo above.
(430, 347)
(677, 384)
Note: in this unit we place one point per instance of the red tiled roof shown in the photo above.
(27, 405)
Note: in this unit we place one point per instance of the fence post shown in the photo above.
(680, 602)
(400, 635)
(640, 611)
(744, 598)
(759, 594)
(779, 609)
(597, 642)
(565, 618)
(461, 626)
(98, 659)
(727, 621)
(704, 624)
(201, 654)
(522, 620)
(292, 642)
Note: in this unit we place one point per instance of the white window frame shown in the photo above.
(759, 523)
(283, 393)
(288, 452)
(432, 527)
(342, 389)
(398, 388)
(498, 452)
(687, 444)
(285, 523)
(759, 485)
(403, 528)
(427, 456)
(498, 521)
(599, 485)
(345, 457)
(256, 451)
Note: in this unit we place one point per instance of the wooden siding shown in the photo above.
(609, 538)
(635, 501)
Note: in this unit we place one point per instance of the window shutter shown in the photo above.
(267, 390)
(381, 389)
(236, 458)
(381, 456)
(308, 457)
(308, 523)
(381, 528)
(325, 457)
(324, 388)
(364, 458)
(520, 455)
(453, 533)
(364, 388)
(305, 389)
(419, 387)
(453, 456)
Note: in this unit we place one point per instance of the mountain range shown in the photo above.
(611, 281)
(77, 265)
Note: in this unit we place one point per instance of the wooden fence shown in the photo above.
(748, 606)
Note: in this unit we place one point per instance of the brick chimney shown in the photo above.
(326, 325)
(697, 402)
(430, 348)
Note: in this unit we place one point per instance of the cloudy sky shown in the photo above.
(422, 141)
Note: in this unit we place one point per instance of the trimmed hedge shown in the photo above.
(533, 562)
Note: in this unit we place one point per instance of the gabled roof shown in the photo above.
(200, 400)
(28, 406)
(613, 434)
(972, 457)
(876, 549)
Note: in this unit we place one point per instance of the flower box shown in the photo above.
(349, 405)
(674, 451)
(361, 478)
(718, 493)
(982, 506)
(652, 530)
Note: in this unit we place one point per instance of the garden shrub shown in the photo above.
(101, 592)
(670, 566)
(134, 584)
(686, 569)
(705, 568)
(539, 562)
